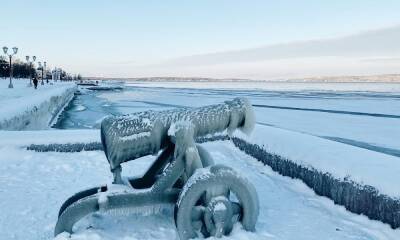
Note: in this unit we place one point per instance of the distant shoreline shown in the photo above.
(382, 78)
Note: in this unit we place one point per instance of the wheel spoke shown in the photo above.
(236, 208)
(197, 224)
(219, 230)
(197, 213)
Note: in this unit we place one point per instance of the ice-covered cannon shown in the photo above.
(208, 198)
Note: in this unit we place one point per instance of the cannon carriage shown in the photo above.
(209, 199)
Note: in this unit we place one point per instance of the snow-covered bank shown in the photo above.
(24, 108)
(363, 181)
(33, 185)
(45, 137)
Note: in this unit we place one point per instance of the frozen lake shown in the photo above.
(352, 115)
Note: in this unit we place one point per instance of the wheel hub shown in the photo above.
(218, 216)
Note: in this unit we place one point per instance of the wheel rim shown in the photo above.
(209, 207)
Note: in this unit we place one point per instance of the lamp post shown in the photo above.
(15, 50)
(30, 68)
(53, 75)
(45, 73)
(41, 68)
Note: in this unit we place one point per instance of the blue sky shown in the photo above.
(97, 37)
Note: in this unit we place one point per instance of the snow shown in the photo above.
(375, 131)
(176, 126)
(135, 136)
(23, 107)
(26, 138)
(341, 160)
(103, 201)
(220, 207)
(33, 186)
(358, 97)
(199, 174)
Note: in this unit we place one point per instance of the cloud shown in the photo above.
(370, 52)
(381, 42)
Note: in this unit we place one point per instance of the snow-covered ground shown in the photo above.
(24, 107)
(342, 161)
(350, 131)
(34, 185)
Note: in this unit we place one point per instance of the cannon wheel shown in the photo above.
(212, 200)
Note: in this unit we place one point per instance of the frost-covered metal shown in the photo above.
(208, 198)
(128, 137)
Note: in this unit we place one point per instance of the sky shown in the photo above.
(134, 38)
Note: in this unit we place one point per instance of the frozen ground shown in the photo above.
(342, 161)
(363, 117)
(24, 107)
(34, 185)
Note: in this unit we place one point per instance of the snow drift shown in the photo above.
(35, 112)
(358, 179)
(363, 181)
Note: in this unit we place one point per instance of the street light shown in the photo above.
(45, 73)
(30, 68)
(41, 68)
(15, 50)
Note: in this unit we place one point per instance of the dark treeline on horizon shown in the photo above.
(20, 69)
(23, 70)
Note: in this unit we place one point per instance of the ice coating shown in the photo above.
(131, 136)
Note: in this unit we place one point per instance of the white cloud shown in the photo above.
(371, 52)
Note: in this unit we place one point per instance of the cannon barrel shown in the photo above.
(132, 136)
